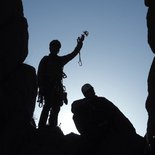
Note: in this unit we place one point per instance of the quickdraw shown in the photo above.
(85, 33)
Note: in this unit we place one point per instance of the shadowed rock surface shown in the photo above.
(150, 101)
(14, 36)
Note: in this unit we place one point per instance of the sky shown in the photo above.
(115, 56)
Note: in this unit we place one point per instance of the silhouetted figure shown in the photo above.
(99, 121)
(50, 81)
(151, 23)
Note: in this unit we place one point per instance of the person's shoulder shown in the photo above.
(44, 58)
(102, 101)
(101, 98)
(78, 101)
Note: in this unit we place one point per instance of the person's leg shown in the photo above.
(53, 119)
(57, 102)
(44, 113)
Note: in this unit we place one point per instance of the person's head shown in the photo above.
(54, 46)
(88, 90)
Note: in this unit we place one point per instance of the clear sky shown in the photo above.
(116, 57)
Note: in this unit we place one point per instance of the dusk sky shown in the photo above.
(115, 56)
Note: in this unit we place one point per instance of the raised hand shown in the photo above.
(81, 39)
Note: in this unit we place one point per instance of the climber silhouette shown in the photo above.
(98, 120)
(50, 81)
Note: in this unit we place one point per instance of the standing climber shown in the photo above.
(50, 81)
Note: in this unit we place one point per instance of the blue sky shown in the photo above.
(116, 57)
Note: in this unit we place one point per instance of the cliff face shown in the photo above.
(18, 88)
(14, 36)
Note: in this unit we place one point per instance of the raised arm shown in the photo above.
(77, 49)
